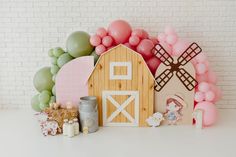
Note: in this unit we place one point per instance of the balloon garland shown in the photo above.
(120, 32)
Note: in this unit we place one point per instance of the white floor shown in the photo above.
(20, 136)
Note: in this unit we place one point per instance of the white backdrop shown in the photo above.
(28, 28)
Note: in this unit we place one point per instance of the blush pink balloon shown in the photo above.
(153, 64)
(145, 48)
(130, 46)
(204, 87)
(179, 47)
(171, 39)
(201, 68)
(100, 49)
(201, 57)
(134, 40)
(211, 77)
(209, 96)
(145, 34)
(167, 47)
(209, 112)
(201, 78)
(199, 96)
(154, 40)
(107, 41)
(120, 31)
(161, 37)
(95, 40)
(138, 33)
(101, 32)
(169, 30)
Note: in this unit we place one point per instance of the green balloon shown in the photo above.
(35, 103)
(54, 69)
(52, 99)
(54, 60)
(95, 56)
(50, 53)
(43, 106)
(57, 51)
(78, 44)
(54, 90)
(43, 80)
(63, 59)
(44, 97)
(54, 78)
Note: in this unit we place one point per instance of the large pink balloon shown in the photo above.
(120, 31)
(153, 63)
(145, 48)
(209, 112)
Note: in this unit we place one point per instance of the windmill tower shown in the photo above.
(175, 83)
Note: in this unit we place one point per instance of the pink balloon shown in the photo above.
(154, 40)
(209, 112)
(145, 48)
(179, 47)
(201, 57)
(138, 33)
(107, 41)
(120, 31)
(199, 96)
(166, 46)
(194, 62)
(153, 63)
(161, 37)
(209, 96)
(200, 68)
(211, 77)
(130, 46)
(101, 32)
(134, 40)
(218, 94)
(169, 30)
(110, 47)
(204, 87)
(145, 34)
(171, 39)
(95, 40)
(201, 78)
(100, 49)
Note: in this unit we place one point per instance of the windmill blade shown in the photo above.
(162, 79)
(189, 82)
(192, 51)
(164, 56)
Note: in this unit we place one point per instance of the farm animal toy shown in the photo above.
(155, 119)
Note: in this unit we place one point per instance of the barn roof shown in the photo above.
(121, 45)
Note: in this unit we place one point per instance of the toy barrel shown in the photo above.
(88, 113)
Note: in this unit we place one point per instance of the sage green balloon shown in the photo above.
(44, 97)
(54, 78)
(52, 99)
(35, 103)
(63, 59)
(54, 90)
(43, 106)
(54, 60)
(57, 51)
(50, 53)
(43, 80)
(54, 69)
(95, 57)
(78, 44)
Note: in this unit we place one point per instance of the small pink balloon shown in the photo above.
(95, 40)
(209, 96)
(107, 41)
(120, 31)
(204, 87)
(134, 40)
(201, 78)
(169, 30)
(201, 57)
(154, 40)
(161, 37)
(101, 32)
(209, 112)
(201, 68)
(145, 48)
(171, 39)
(153, 63)
(167, 47)
(211, 77)
(138, 33)
(199, 96)
(145, 34)
(130, 46)
(100, 49)
(179, 47)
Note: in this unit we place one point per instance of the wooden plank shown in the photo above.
(140, 88)
(150, 95)
(100, 87)
(107, 80)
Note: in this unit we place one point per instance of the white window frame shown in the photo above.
(128, 76)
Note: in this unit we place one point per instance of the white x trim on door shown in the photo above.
(120, 108)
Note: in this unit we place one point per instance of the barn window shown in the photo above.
(120, 70)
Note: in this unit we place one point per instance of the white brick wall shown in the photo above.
(28, 28)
